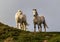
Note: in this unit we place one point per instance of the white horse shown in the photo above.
(38, 20)
(21, 21)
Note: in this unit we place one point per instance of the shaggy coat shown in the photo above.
(38, 20)
(20, 19)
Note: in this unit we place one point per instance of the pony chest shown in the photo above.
(21, 16)
(35, 19)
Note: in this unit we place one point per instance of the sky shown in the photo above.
(49, 8)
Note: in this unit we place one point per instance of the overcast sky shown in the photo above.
(49, 8)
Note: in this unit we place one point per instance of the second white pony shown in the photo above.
(21, 21)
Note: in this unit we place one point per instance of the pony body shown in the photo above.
(20, 19)
(38, 20)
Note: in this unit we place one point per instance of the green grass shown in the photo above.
(11, 34)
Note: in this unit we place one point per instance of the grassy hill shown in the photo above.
(11, 34)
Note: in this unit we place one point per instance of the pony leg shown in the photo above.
(24, 27)
(45, 27)
(17, 25)
(40, 28)
(21, 26)
(35, 28)
(45, 24)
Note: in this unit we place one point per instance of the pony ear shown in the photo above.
(19, 10)
(34, 9)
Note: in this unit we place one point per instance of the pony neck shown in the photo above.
(36, 15)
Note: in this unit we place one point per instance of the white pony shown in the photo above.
(38, 20)
(20, 19)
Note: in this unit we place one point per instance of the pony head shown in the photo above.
(20, 11)
(34, 12)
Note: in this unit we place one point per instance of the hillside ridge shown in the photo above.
(11, 34)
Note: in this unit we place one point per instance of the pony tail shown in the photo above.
(46, 25)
